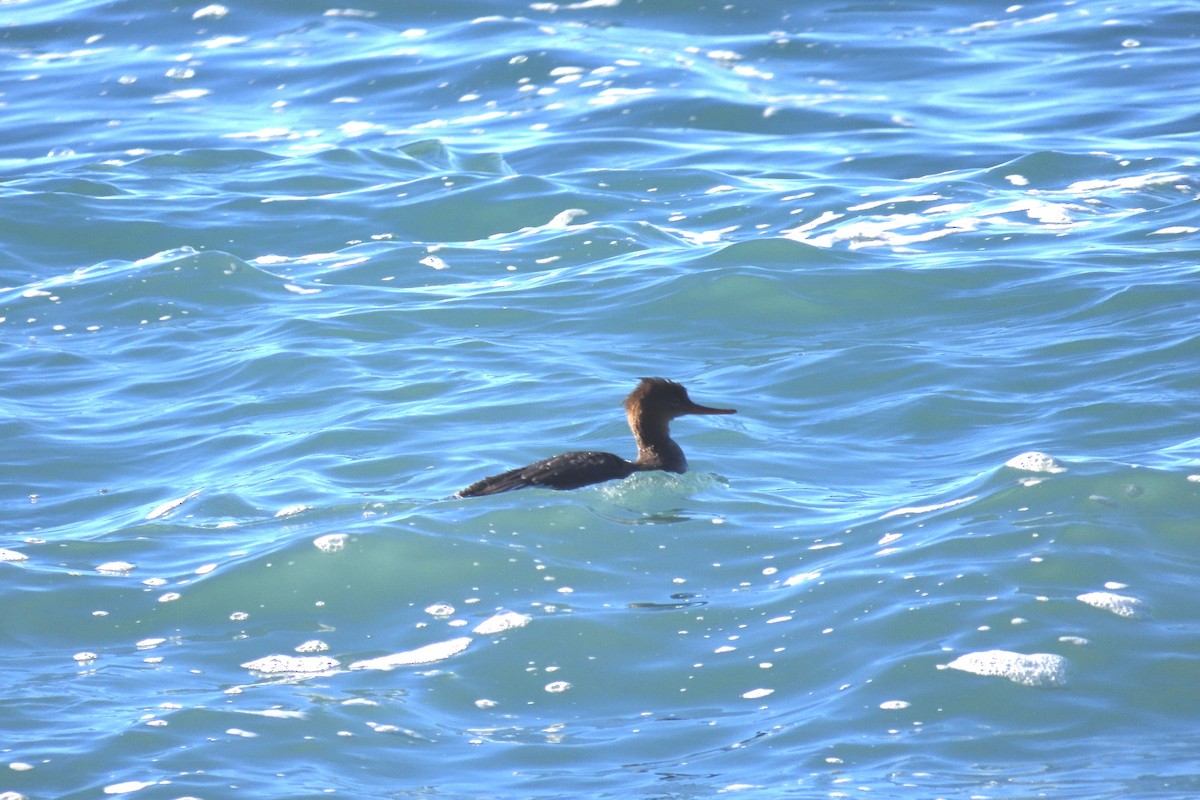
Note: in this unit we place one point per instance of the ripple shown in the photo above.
(262, 259)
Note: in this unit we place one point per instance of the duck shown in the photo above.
(649, 408)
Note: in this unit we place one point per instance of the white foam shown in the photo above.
(927, 509)
(1033, 461)
(564, 219)
(502, 622)
(1038, 211)
(285, 663)
(170, 505)
(278, 713)
(802, 577)
(330, 542)
(1119, 604)
(214, 10)
(291, 511)
(920, 198)
(125, 787)
(1126, 184)
(1033, 669)
(428, 654)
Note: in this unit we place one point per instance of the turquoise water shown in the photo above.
(280, 278)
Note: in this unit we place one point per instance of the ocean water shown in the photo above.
(278, 278)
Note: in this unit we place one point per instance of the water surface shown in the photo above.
(278, 280)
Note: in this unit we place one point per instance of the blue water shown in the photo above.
(277, 279)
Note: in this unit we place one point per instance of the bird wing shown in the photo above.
(568, 471)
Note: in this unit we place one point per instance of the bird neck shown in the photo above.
(656, 448)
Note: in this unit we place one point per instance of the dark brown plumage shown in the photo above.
(649, 408)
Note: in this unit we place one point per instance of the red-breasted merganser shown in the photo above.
(650, 408)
